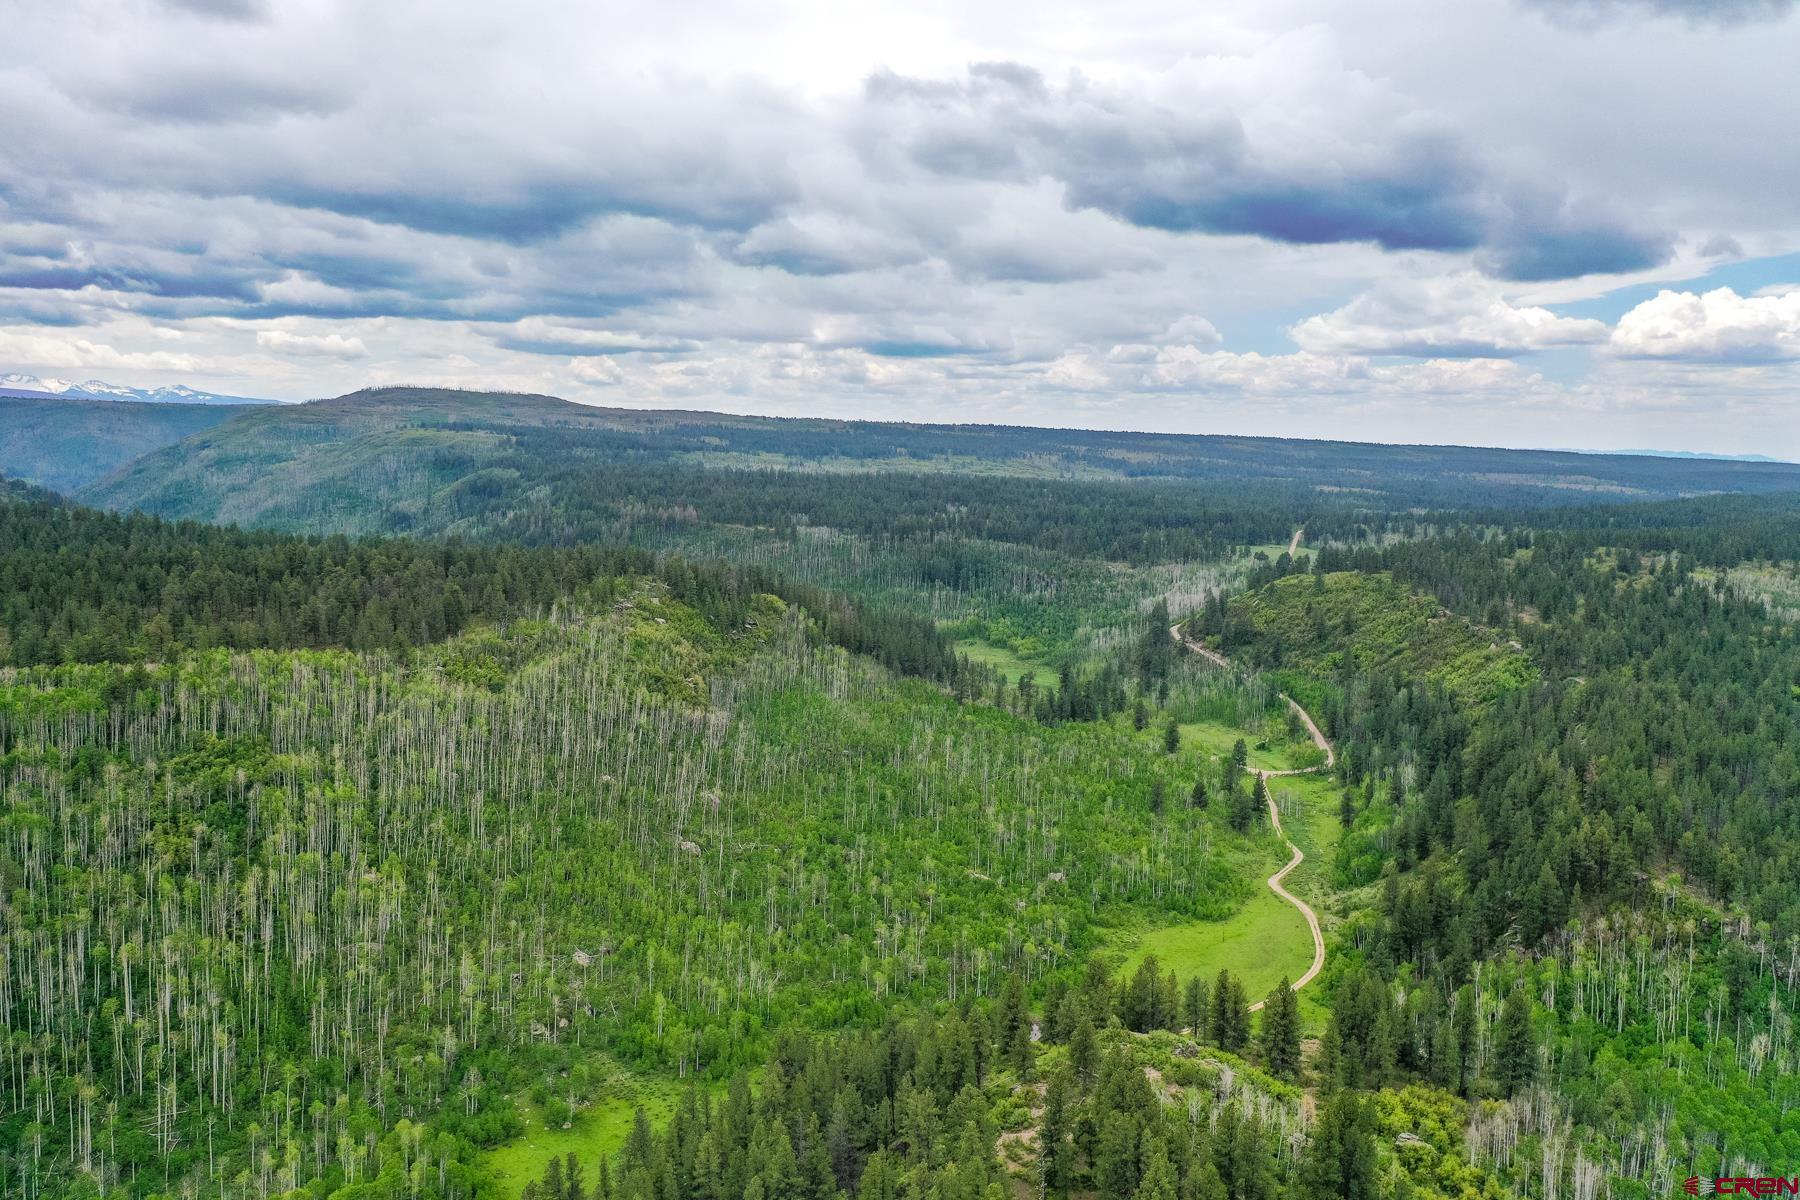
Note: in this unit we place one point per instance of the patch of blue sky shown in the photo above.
(1745, 277)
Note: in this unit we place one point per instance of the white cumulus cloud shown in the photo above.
(1463, 316)
(1715, 326)
(328, 345)
(58, 349)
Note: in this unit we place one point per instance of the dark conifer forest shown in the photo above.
(428, 796)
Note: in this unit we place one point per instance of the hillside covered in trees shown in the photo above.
(312, 912)
(1356, 622)
(1601, 848)
(86, 586)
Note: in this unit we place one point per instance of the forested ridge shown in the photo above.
(1014, 536)
(79, 585)
(1363, 622)
(1665, 717)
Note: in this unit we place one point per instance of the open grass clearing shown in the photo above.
(1267, 939)
(1309, 815)
(1213, 738)
(1006, 662)
(1263, 941)
(598, 1129)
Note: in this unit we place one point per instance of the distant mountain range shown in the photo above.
(65, 440)
(430, 460)
(32, 387)
(1697, 454)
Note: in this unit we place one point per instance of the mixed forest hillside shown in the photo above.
(676, 838)
(431, 795)
(1324, 623)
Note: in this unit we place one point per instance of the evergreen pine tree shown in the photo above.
(1116, 1171)
(1158, 1181)
(1281, 1032)
(1220, 1025)
(1252, 1171)
(1341, 1160)
(1054, 1151)
(1168, 1002)
(1082, 1051)
(1015, 1027)
(1515, 1051)
(1195, 1006)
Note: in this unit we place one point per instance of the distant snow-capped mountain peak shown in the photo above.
(99, 389)
(32, 383)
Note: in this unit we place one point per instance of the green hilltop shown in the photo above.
(1368, 621)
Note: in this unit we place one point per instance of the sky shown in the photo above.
(1563, 223)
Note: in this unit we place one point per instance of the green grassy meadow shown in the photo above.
(1267, 938)
(599, 1129)
(1216, 739)
(1315, 829)
(1263, 941)
(1006, 662)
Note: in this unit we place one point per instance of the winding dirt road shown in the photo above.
(1275, 880)
(1319, 739)
(1312, 918)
